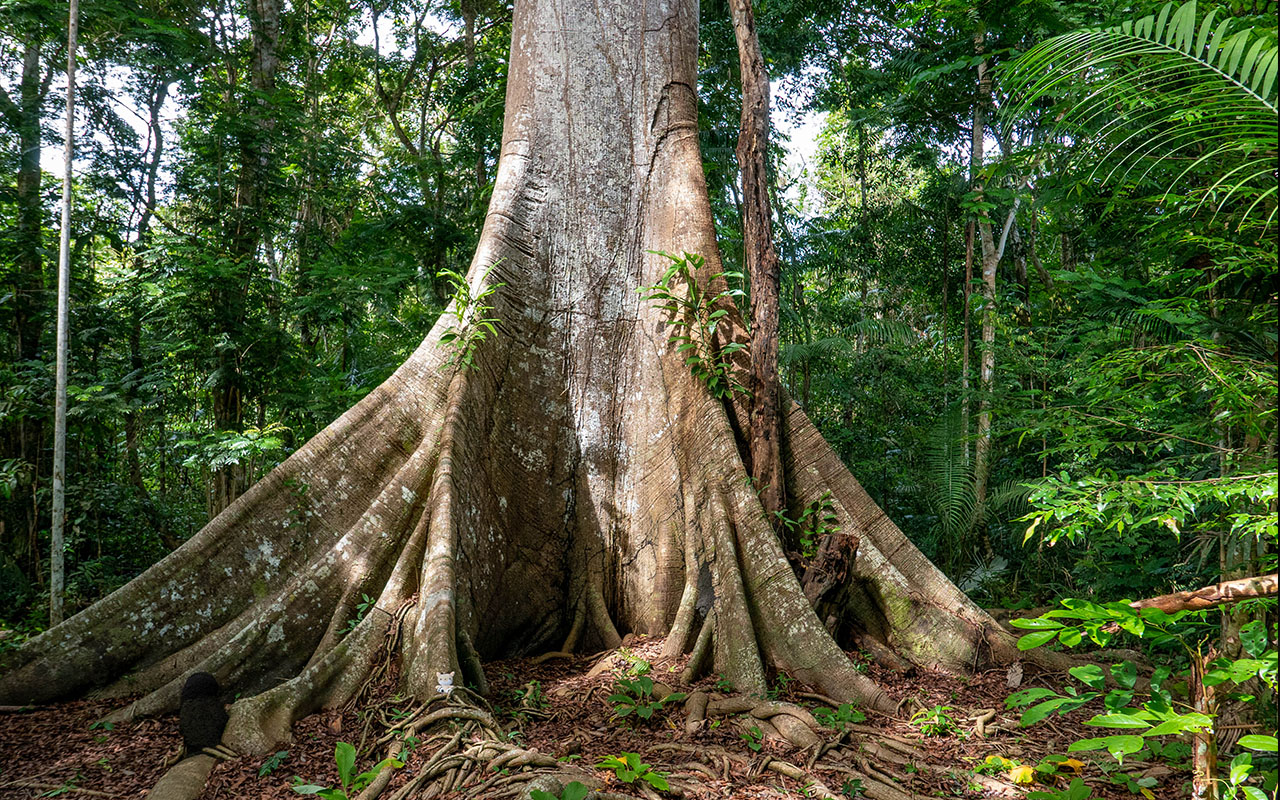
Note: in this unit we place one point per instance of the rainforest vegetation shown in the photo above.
(498, 321)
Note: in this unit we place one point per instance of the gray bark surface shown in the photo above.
(576, 484)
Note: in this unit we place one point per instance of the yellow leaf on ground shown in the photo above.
(1073, 764)
(1022, 774)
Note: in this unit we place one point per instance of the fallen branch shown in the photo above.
(1216, 595)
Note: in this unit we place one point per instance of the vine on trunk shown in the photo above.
(471, 325)
(696, 315)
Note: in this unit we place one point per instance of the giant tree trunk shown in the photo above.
(575, 484)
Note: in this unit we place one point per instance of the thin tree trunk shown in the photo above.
(58, 523)
(133, 415)
(1204, 745)
(1034, 254)
(28, 300)
(966, 347)
(24, 115)
(469, 15)
(763, 269)
(990, 259)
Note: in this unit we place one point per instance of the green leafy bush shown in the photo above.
(635, 696)
(838, 718)
(628, 768)
(936, 721)
(470, 324)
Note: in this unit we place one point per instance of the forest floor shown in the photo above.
(56, 750)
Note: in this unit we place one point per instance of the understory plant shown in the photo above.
(936, 721)
(635, 696)
(838, 718)
(696, 312)
(344, 755)
(1140, 721)
(471, 324)
(815, 521)
(628, 768)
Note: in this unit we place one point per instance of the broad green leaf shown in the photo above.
(345, 757)
(1118, 721)
(1035, 623)
(1117, 699)
(1028, 696)
(1060, 704)
(1241, 766)
(1257, 741)
(1253, 637)
(574, 791)
(1182, 723)
(1125, 673)
(1118, 746)
(1090, 675)
(1033, 640)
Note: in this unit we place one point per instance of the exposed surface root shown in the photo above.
(461, 747)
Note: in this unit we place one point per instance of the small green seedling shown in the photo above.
(935, 721)
(471, 321)
(531, 696)
(754, 737)
(345, 757)
(636, 697)
(273, 763)
(696, 313)
(628, 768)
(838, 718)
(362, 608)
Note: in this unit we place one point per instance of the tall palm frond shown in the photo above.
(950, 474)
(818, 350)
(1164, 86)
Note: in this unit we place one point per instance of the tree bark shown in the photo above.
(24, 117)
(58, 520)
(763, 269)
(990, 259)
(576, 483)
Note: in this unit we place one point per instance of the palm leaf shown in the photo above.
(1164, 86)
(951, 480)
(815, 351)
